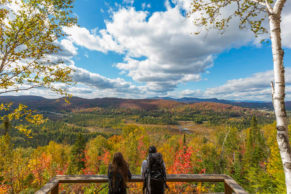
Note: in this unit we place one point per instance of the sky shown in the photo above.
(148, 48)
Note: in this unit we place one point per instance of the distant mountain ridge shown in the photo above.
(193, 100)
(246, 104)
(56, 105)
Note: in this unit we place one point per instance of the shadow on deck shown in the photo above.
(230, 186)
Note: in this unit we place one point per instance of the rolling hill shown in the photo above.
(76, 103)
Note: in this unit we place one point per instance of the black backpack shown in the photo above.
(155, 174)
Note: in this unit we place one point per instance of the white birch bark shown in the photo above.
(278, 92)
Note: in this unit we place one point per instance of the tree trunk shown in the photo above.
(278, 94)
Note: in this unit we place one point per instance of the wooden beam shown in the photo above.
(50, 186)
(227, 189)
(138, 178)
(55, 190)
(195, 178)
(82, 178)
(229, 184)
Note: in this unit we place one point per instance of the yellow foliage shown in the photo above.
(274, 163)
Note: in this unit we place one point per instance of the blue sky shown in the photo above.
(142, 49)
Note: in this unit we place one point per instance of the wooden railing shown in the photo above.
(230, 186)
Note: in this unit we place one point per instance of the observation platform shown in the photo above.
(230, 186)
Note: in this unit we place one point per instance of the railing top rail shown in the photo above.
(137, 178)
(54, 182)
(234, 186)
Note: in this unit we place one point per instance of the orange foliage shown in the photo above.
(4, 189)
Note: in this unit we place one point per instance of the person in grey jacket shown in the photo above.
(153, 172)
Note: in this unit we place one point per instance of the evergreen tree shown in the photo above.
(256, 146)
(77, 161)
(255, 156)
(237, 168)
(6, 124)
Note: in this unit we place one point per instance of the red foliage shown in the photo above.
(141, 147)
(182, 165)
(106, 157)
(202, 171)
(182, 162)
(61, 171)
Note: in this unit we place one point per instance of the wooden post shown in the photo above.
(227, 189)
(55, 190)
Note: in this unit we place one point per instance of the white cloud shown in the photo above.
(160, 50)
(83, 37)
(96, 81)
(172, 54)
(183, 4)
(286, 30)
(145, 5)
(91, 85)
(256, 86)
(68, 48)
(186, 93)
(286, 8)
(285, 25)
(128, 1)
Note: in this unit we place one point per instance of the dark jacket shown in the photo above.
(118, 177)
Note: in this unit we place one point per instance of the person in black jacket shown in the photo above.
(118, 175)
(154, 173)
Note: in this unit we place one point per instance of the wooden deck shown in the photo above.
(230, 186)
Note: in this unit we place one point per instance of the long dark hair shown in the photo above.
(119, 165)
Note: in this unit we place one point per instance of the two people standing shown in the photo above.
(153, 173)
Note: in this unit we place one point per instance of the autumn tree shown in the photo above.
(252, 15)
(95, 152)
(30, 31)
(274, 164)
(22, 114)
(6, 155)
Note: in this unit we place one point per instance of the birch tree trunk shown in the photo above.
(278, 91)
(249, 12)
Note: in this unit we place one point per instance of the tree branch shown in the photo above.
(8, 51)
(259, 2)
(269, 8)
(3, 60)
(22, 89)
(279, 6)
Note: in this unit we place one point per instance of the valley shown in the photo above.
(203, 137)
